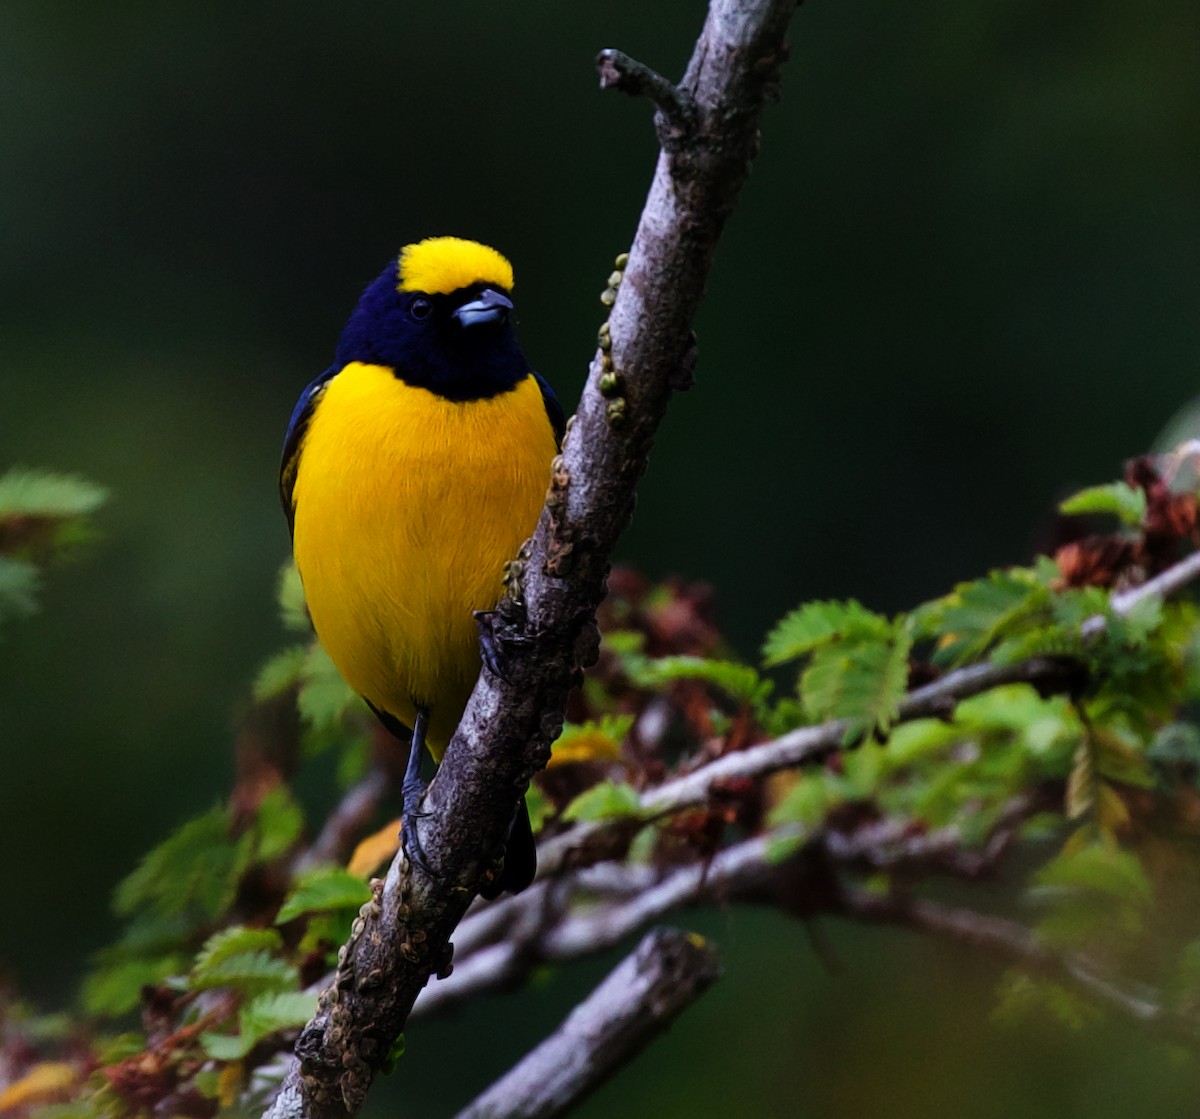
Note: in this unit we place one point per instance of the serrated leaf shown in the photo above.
(977, 615)
(818, 623)
(234, 941)
(195, 870)
(738, 681)
(1123, 501)
(862, 681)
(35, 493)
(323, 890)
(605, 801)
(250, 973)
(258, 1019)
(268, 1014)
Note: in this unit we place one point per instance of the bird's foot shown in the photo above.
(410, 839)
(494, 649)
(413, 791)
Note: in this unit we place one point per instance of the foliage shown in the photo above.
(1092, 769)
(42, 516)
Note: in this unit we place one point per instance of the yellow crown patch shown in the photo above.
(440, 265)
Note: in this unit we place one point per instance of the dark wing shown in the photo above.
(297, 426)
(554, 410)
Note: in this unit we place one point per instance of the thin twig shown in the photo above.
(646, 991)
(619, 71)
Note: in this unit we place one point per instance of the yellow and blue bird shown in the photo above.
(414, 467)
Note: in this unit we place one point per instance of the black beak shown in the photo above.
(490, 307)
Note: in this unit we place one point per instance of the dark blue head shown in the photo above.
(439, 317)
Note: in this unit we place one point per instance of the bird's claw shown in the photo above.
(410, 840)
(493, 653)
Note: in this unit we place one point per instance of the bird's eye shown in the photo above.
(420, 309)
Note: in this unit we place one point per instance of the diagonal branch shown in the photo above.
(640, 998)
(543, 632)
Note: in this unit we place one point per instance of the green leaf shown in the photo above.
(323, 890)
(863, 682)
(1118, 759)
(262, 1016)
(606, 801)
(234, 941)
(283, 671)
(1098, 868)
(115, 988)
(807, 802)
(818, 623)
(739, 681)
(195, 870)
(1024, 998)
(18, 588)
(977, 615)
(324, 696)
(251, 973)
(34, 493)
(1093, 893)
(292, 608)
(1184, 985)
(278, 824)
(1123, 501)
(226, 1047)
(395, 1053)
(538, 807)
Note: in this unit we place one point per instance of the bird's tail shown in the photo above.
(520, 858)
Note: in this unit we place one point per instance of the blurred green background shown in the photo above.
(964, 277)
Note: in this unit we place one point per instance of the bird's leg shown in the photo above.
(412, 790)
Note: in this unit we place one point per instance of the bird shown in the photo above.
(413, 469)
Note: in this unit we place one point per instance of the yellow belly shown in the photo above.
(407, 506)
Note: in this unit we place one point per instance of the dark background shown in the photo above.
(964, 278)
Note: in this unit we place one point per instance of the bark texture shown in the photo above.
(640, 998)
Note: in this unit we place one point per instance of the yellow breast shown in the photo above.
(407, 506)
